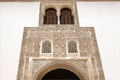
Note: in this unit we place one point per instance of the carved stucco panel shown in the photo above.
(82, 65)
(38, 64)
(79, 65)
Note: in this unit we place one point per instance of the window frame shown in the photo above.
(46, 54)
(73, 54)
(46, 17)
(70, 16)
(75, 45)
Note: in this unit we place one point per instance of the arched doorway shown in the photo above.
(55, 65)
(60, 74)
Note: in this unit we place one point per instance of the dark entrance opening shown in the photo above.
(60, 74)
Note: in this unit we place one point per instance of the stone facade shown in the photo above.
(35, 63)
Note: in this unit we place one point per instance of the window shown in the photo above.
(46, 47)
(50, 16)
(72, 47)
(66, 16)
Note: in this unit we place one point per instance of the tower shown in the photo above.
(58, 48)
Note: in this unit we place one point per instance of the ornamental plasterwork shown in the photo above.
(38, 64)
(85, 37)
(83, 66)
(59, 35)
(79, 64)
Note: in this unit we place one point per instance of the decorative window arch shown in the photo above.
(72, 47)
(46, 47)
(66, 16)
(50, 16)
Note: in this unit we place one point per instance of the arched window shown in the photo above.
(46, 47)
(50, 16)
(66, 16)
(72, 47)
